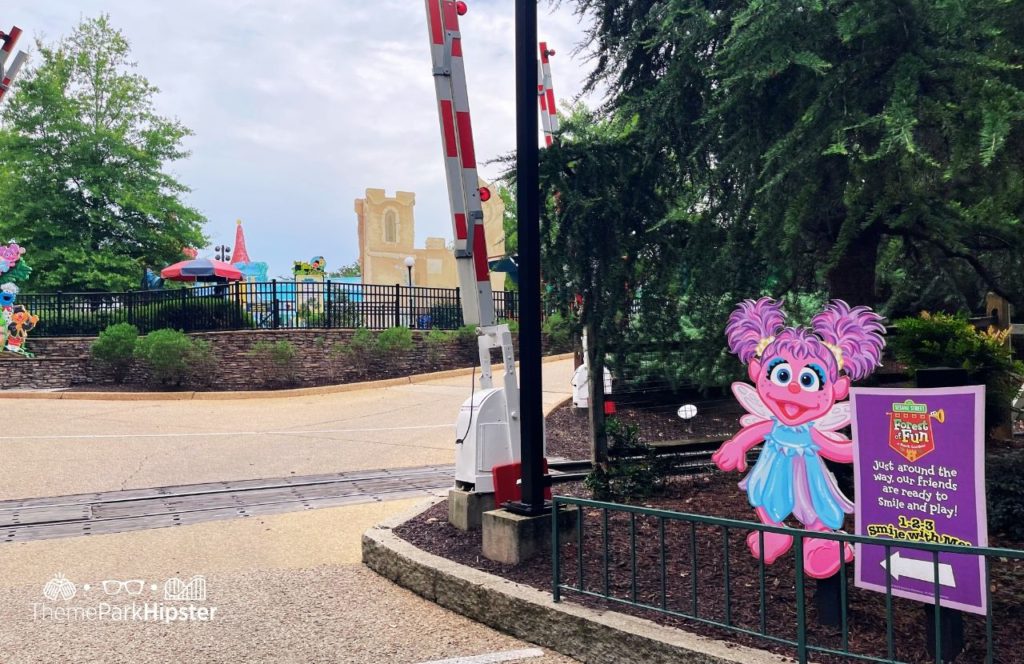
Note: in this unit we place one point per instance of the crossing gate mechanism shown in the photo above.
(487, 429)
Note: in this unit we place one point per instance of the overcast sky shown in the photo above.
(299, 106)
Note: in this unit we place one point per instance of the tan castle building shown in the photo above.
(387, 234)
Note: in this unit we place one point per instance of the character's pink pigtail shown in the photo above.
(854, 336)
(753, 325)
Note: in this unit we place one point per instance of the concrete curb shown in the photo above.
(530, 614)
(246, 394)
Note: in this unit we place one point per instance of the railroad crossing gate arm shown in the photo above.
(460, 160)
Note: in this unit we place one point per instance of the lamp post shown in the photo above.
(223, 253)
(409, 262)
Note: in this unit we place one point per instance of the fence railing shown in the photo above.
(668, 552)
(264, 305)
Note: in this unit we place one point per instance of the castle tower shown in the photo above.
(387, 234)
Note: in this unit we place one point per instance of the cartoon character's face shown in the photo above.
(6, 298)
(796, 390)
(11, 253)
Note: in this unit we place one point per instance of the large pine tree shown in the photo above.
(873, 148)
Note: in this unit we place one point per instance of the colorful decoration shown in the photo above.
(799, 375)
(201, 269)
(919, 469)
(21, 322)
(316, 267)
(240, 254)
(9, 256)
(18, 321)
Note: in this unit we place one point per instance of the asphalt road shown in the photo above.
(286, 587)
(61, 447)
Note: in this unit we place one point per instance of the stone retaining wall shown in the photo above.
(588, 635)
(320, 359)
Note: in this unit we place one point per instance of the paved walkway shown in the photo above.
(286, 587)
(66, 447)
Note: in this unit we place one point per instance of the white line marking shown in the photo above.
(491, 658)
(210, 434)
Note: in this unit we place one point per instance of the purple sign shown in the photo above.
(919, 473)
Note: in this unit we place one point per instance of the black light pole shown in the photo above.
(223, 252)
(528, 223)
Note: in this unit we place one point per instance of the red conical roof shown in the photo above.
(240, 255)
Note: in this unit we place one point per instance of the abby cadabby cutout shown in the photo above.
(799, 375)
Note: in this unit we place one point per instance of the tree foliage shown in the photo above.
(82, 167)
(873, 148)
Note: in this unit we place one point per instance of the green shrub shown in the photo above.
(1005, 489)
(343, 313)
(445, 316)
(941, 340)
(275, 361)
(195, 314)
(166, 353)
(115, 349)
(634, 471)
(435, 342)
(360, 349)
(466, 334)
(395, 341)
(558, 330)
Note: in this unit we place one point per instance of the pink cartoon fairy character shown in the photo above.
(799, 375)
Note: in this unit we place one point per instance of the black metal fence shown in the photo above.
(697, 568)
(264, 305)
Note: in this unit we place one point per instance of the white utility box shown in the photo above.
(483, 425)
(581, 386)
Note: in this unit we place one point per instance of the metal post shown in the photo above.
(274, 314)
(528, 223)
(398, 305)
(943, 626)
(60, 310)
(238, 303)
(327, 306)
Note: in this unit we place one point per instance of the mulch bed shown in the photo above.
(567, 429)
(717, 494)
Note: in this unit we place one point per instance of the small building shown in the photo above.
(387, 235)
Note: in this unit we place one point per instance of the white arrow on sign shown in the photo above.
(922, 570)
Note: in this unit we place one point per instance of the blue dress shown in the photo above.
(790, 478)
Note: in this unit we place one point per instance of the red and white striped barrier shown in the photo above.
(546, 91)
(8, 75)
(464, 194)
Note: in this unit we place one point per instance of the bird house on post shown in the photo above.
(8, 74)
(998, 308)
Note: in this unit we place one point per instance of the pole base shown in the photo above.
(527, 509)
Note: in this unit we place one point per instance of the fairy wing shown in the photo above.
(837, 418)
(750, 400)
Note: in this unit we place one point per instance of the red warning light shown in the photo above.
(460, 7)
(485, 194)
(551, 51)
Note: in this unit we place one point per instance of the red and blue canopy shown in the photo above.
(201, 269)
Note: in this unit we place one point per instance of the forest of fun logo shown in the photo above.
(911, 433)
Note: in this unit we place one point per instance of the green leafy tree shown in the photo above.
(82, 159)
(871, 148)
(353, 269)
(510, 220)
